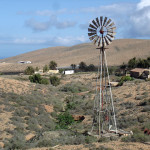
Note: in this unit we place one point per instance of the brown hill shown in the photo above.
(119, 51)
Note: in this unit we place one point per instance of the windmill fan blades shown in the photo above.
(101, 20)
(113, 28)
(92, 37)
(98, 42)
(97, 20)
(91, 30)
(105, 21)
(110, 31)
(91, 34)
(108, 22)
(101, 31)
(109, 38)
(107, 41)
(95, 40)
(92, 26)
(111, 24)
(95, 23)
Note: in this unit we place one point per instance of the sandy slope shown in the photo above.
(119, 51)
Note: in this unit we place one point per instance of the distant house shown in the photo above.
(28, 62)
(21, 62)
(140, 73)
(24, 62)
(53, 71)
(68, 72)
(39, 72)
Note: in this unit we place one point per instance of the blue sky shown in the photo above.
(28, 25)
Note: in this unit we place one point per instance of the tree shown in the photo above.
(29, 70)
(37, 69)
(45, 68)
(132, 63)
(82, 66)
(73, 66)
(123, 68)
(91, 67)
(52, 65)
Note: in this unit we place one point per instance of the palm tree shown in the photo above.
(73, 66)
(52, 65)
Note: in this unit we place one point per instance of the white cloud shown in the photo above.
(52, 22)
(43, 12)
(50, 12)
(143, 3)
(52, 41)
(140, 20)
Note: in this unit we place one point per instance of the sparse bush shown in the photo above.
(29, 70)
(64, 120)
(44, 81)
(128, 105)
(54, 80)
(141, 118)
(104, 139)
(139, 97)
(16, 142)
(74, 88)
(146, 109)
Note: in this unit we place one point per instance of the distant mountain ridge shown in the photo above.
(119, 51)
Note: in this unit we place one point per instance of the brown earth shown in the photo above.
(119, 51)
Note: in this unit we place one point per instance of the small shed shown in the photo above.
(140, 73)
(136, 72)
(69, 72)
(53, 71)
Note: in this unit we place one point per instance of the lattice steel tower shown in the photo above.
(101, 32)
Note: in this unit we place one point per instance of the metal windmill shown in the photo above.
(101, 32)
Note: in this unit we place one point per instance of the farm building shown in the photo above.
(140, 73)
(68, 72)
(39, 72)
(53, 71)
(24, 62)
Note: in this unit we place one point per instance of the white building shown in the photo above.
(69, 72)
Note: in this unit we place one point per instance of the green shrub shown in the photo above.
(36, 78)
(54, 80)
(124, 79)
(74, 88)
(45, 68)
(29, 70)
(44, 81)
(64, 120)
